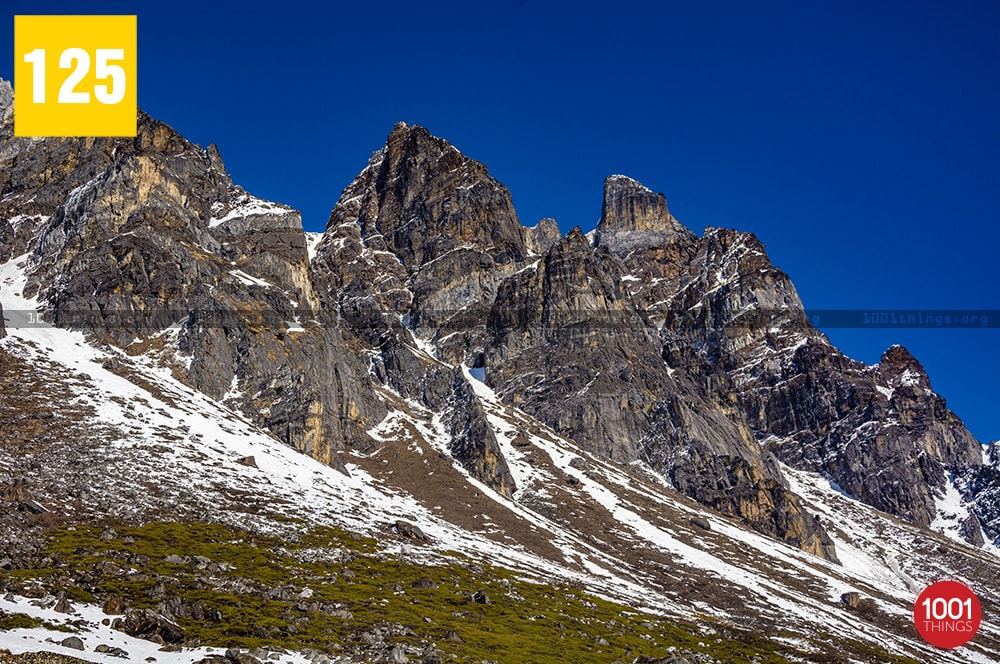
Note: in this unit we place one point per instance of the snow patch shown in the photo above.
(312, 242)
(910, 378)
(86, 623)
(250, 280)
(951, 511)
(246, 205)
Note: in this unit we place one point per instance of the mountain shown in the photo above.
(638, 425)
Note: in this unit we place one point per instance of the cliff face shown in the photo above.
(634, 218)
(982, 482)
(879, 432)
(146, 243)
(414, 250)
(652, 347)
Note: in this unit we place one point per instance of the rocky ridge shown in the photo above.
(562, 396)
(147, 240)
(638, 346)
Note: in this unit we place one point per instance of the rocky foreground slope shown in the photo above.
(640, 412)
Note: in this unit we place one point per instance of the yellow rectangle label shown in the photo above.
(75, 75)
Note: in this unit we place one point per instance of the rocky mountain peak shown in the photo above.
(540, 237)
(634, 217)
(424, 272)
(414, 140)
(421, 198)
(899, 367)
(897, 355)
(575, 238)
(619, 189)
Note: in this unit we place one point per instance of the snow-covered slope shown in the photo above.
(89, 633)
(147, 446)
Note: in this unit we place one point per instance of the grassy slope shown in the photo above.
(251, 597)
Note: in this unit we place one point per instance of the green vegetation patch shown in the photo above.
(333, 590)
(24, 621)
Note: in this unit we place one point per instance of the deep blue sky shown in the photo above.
(859, 140)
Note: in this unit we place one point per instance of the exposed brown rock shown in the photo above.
(633, 217)
(539, 238)
(409, 531)
(130, 237)
(114, 606)
(149, 625)
(473, 442)
(691, 355)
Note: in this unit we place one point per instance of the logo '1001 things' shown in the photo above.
(947, 614)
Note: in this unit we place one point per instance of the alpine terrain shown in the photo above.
(433, 434)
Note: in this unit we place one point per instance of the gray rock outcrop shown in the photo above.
(981, 486)
(633, 217)
(570, 347)
(539, 238)
(880, 432)
(129, 238)
(691, 355)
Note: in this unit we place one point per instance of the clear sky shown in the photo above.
(859, 140)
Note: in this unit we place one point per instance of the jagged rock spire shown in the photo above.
(633, 217)
(540, 237)
(424, 198)
(899, 367)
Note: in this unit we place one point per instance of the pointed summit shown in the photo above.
(899, 367)
(421, 198)
(542, 235)
(630, 204)
(634, 217)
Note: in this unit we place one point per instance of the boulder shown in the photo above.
(149, 625)
(73, 642)
(409, 531)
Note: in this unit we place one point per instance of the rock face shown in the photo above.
(637, 228)
(982, 485)
(548, 353)
(426, 199)
(413, 253)
(570, 347)
(879, 432)
(473, 442)
(633, 217)
(539, 238)
(6, 102)
(131, 238)
(37, 176)
(688, 356)
(548, 318)
(437, 235)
